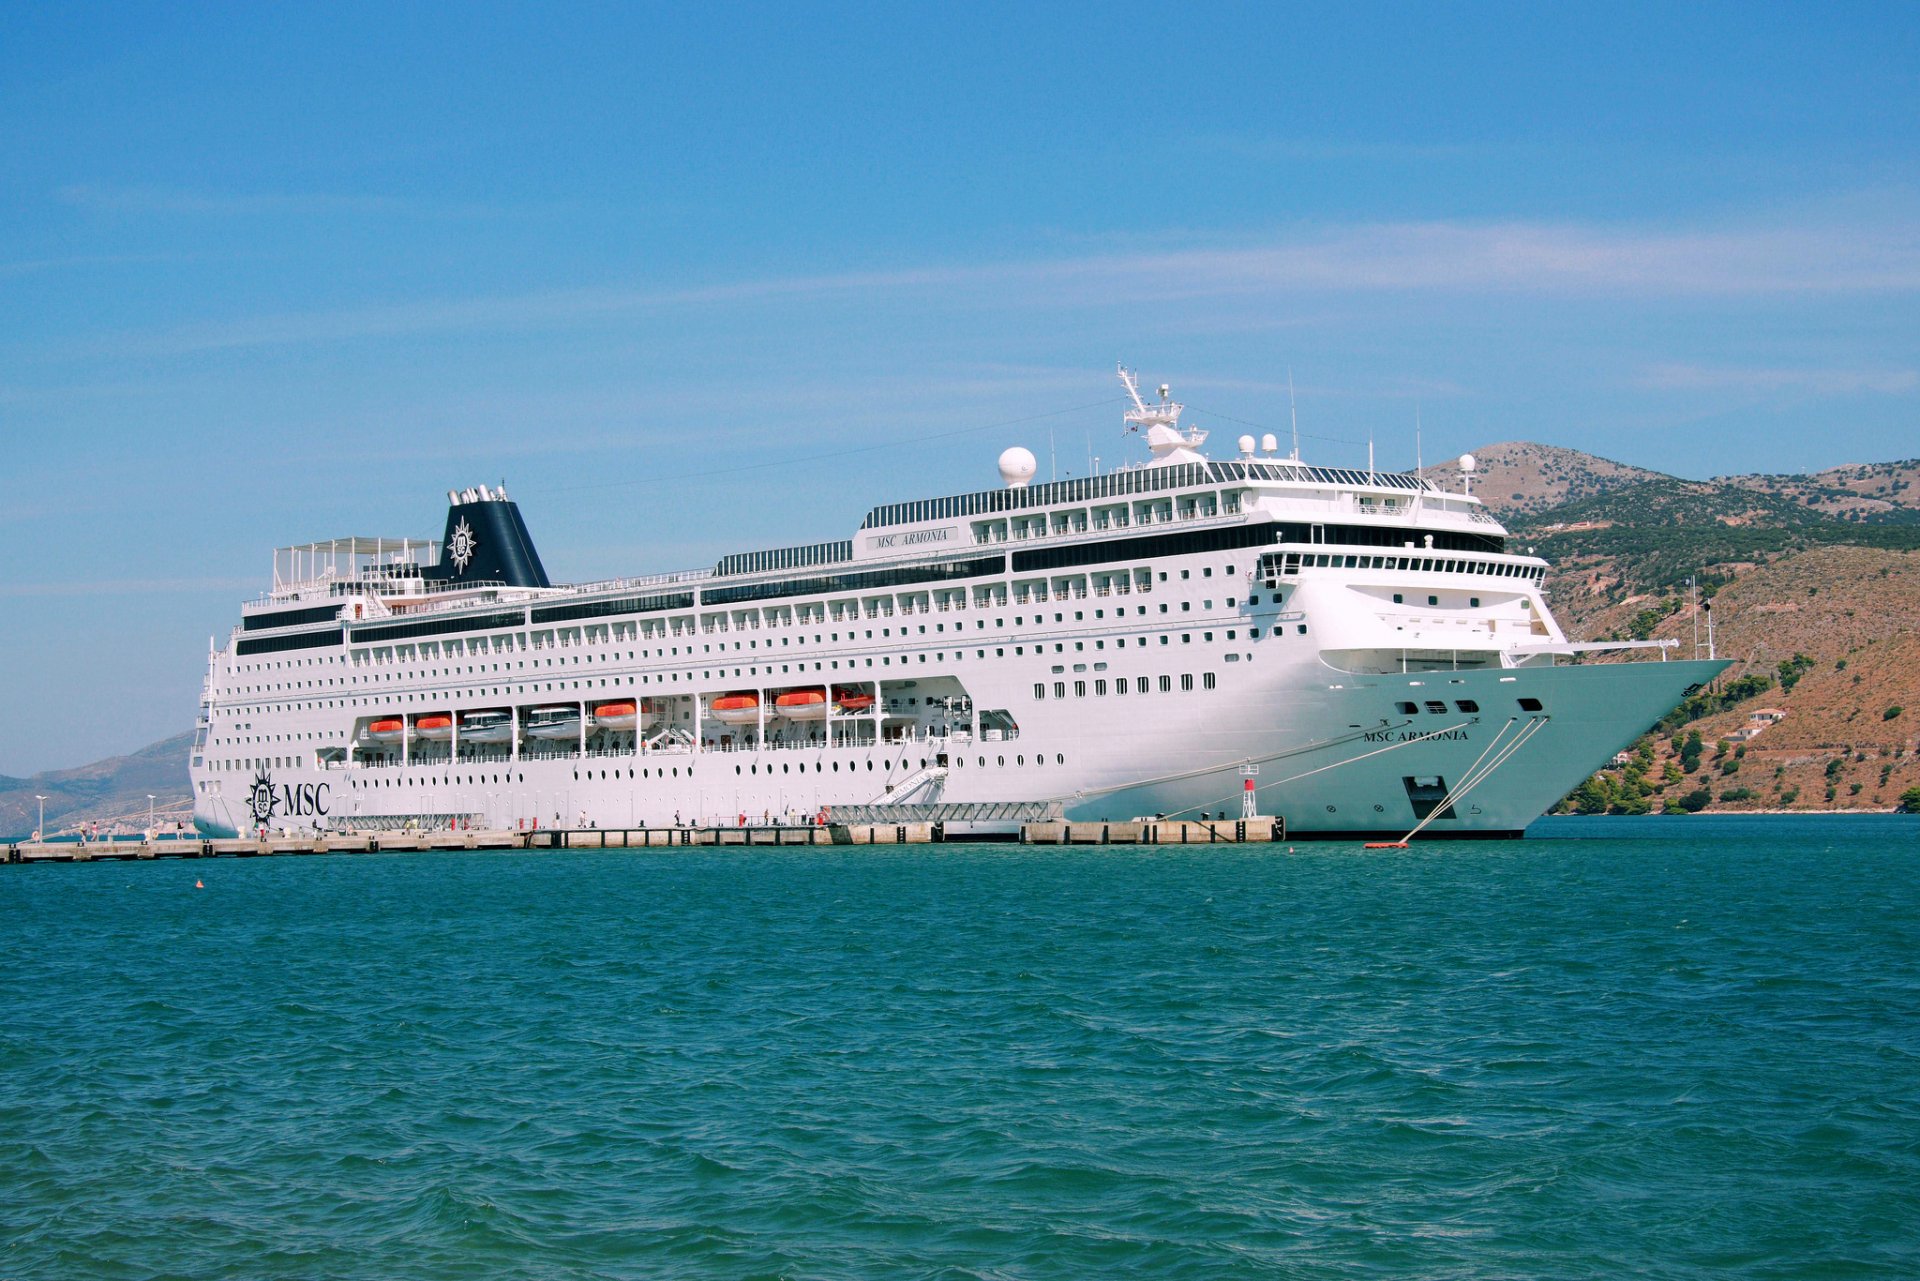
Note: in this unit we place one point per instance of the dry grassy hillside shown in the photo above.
(1520, 476)
(1846, 623)
(1824, 602)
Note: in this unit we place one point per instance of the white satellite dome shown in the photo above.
(1017, 467)
(1468, 462)
(1246, 446)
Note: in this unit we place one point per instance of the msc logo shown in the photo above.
(294, 800)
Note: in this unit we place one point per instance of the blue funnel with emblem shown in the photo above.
(486, 542)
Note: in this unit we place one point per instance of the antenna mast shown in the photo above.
(1293, 411)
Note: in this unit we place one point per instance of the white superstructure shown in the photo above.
(1362, 645)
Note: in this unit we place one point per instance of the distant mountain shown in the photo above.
(1652, 536)
(112, 791)
(1874, 493)
(1518, 476)
(1669, 501)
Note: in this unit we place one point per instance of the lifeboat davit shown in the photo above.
(802, 704)
(623, 716)
(389, 729)
(554, 722)
(486, 727)
(852, 702)
(737, 709)
(437, 728)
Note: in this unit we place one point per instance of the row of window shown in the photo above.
(1292, 562)
(1083, 489)
(1140, 481)
(1438, 707)
(289, 618)
(1141, 685)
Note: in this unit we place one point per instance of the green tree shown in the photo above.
(1690, 751)
(1595, 796)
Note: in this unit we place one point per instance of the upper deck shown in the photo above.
(1020, 527)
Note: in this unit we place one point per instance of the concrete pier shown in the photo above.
(1147, 831)
(1130, 832)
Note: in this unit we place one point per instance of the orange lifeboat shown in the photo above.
(437, 728)
(387, 730)
(852, 702)
(742, 708)
(802, 704)
(623, 716)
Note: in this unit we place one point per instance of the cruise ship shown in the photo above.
(1356, 652)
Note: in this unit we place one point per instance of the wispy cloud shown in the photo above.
(164, 200)
(1762, 380)
(1337, 149)
(127, 587)
(1567, 260)
(31, 266)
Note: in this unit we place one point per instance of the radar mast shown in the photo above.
(1160, 423)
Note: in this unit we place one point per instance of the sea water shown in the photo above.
(1689, 1050)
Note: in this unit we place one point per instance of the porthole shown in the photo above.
(1001, 759)
(1060, 759)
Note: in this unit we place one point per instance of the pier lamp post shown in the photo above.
(40, 833)
(149, 815)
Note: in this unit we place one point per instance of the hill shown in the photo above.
(1648, 538)
(112, 791)
(1872, 493)
(1821, 709)
(1518, 476)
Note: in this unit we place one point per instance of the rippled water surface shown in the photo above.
(1690, 1050)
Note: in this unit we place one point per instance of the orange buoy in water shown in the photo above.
(199, 885)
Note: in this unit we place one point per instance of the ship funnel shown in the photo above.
(486, 541)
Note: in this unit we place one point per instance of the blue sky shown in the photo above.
(696, 281)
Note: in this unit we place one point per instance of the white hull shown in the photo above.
(1112, 768)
